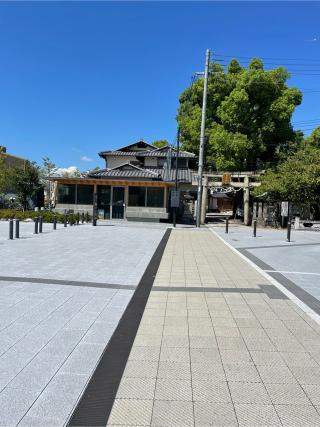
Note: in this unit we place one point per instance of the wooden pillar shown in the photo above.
(204, 200)
(246, 206)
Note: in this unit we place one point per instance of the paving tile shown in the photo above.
(267, 358)
(205, 355)
(217, 414)
(136, 388)
(242, 392)
(299, 360)
(276, 374)
(242, 372)
(298, 415)
(57, 400)
(175, 370)
(313, 392)
(147, 369)
(151, 354)
(211, 371)
(202, 342)
(211, 391)
(287, 394)
(231, 343)
(131, 412)
(172, 413)
(172, 354)
(235, 356)
(306, 375)
(256, 415)
(173, 389)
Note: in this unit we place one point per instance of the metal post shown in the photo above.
(54, 223)
(17, 233)
(10, 229)
(227, 225)
(288, 230)
(36, 225)
(94, 211)
(204, 200)
(65, 221)
(254, 228)
(40, 224)
(202, 137)
(82, 218)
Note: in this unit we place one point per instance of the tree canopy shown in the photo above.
(159, 143)
(248, 115)
(297, 179)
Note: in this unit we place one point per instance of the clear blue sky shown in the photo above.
(77, 78)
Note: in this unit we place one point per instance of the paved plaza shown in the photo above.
(66, 293)
(217, 343)
(218, 346)
(297, 260)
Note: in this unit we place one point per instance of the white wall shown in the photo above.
(114, 161)
(151, 161)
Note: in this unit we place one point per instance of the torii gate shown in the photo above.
(235, 180)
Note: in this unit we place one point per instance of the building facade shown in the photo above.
(135, 184)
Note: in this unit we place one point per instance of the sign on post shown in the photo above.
(284, 208)
(175, 199)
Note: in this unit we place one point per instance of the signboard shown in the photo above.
(175, 199)
(284, 208)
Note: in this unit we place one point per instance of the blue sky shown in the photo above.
(77, 78)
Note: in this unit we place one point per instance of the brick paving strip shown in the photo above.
(250, 357)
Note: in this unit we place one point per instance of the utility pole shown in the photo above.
(202, 138)
(176, 176)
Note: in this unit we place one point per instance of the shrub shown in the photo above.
(23, 215)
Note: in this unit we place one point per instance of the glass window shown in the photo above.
(66, 193)
(137, 196)
(155, 196)
(84, 194)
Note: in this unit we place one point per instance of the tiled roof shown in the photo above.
(184, 175)
(150, 153)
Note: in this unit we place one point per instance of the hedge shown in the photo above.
(46, 215)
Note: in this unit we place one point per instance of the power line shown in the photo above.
(268, 58)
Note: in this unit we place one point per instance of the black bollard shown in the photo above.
(10, 229)
(36, 225)
(17, 234)
(82, 218)
(227, 225)
(288, 230)
(94, 220)
(40, 224)
(78, 218)
(254, 228)
(54, 223)
(65, 221)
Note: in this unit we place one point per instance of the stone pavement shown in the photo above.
(296, 260)
(218, 345)
(53, 331)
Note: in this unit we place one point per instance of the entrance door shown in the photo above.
(104, 193)
(117, 202)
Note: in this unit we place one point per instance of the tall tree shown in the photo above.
(297, 179)
(159, 143)
(248, 115)
(46, 171)
(26, 183)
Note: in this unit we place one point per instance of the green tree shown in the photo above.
(297, 179)
(314, 138)
(4, 177)
(159, 143)
(248, 115)
(26, 182)
(48, 168)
